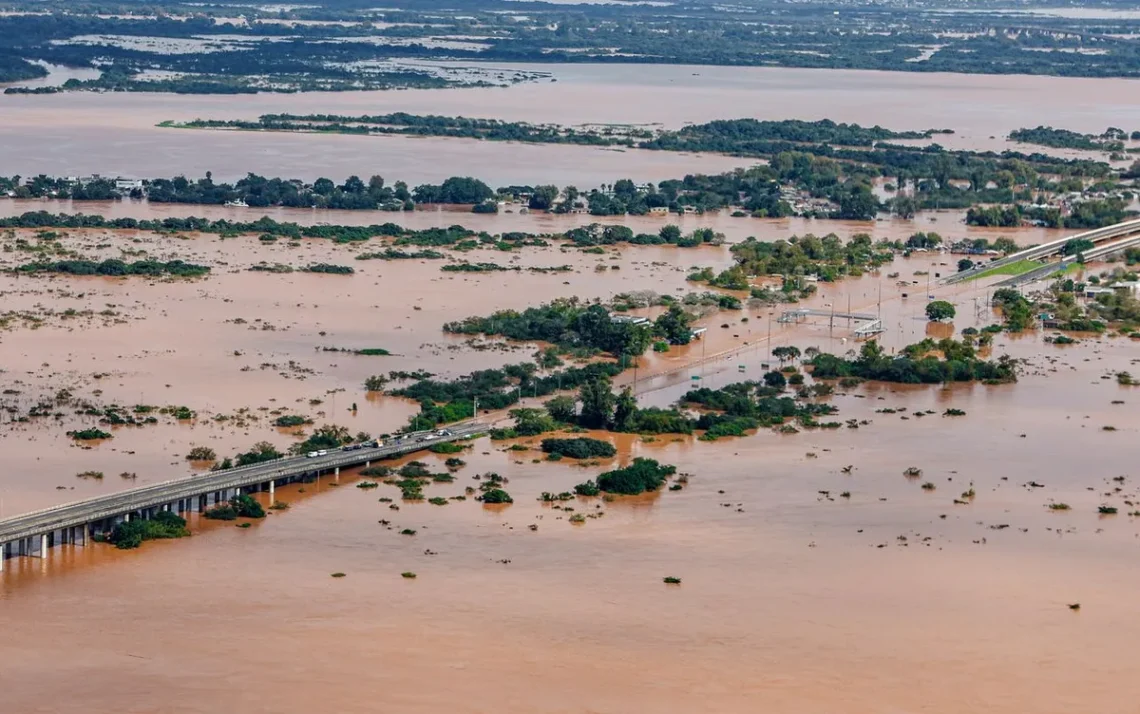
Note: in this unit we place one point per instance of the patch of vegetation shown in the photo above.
(918, 364)
(131, 534)
(201, 453)
(496, 495)
(90, 434)
(579, 448)
(640, 476)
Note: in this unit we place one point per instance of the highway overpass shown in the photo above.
(1098, 236)
(33, 534)
(1100, 252)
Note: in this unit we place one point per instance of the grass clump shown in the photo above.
(671, 580)
(408, 575)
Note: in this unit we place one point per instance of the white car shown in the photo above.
(323, 452)
(312, 455)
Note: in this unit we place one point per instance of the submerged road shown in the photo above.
(72, 522)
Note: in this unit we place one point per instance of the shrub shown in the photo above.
(640, 476)
(292, 420)
(579, 448)
(670, 580)
(131, 534)
(201, 453)
(589, 488)
(222, 512)
(247, 506)
(446, 447)
(496, 495)
(89, 434)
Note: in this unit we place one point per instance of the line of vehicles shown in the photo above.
(394, 441)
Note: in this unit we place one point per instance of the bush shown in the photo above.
(579, 448)
(222, 512)
(131, 534)
(292, 420)
(589, 488)
(496, 495)
(89, 434)
(446, 447)
(201, 453)
(640, 476)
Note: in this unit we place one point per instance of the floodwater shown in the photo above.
(112, 134)
(794, 599)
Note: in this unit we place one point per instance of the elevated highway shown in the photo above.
(1098, 236)
(36, 532)
(1098, 253)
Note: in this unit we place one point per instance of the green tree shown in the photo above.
(675, 325)
(905, 206)
(940, 310)
(858, 204)
(670, 234)
(624, 411)
(965, 264)
(786, 352)
(543, 197)
(597, 399)
(775, 380)
(562, 409)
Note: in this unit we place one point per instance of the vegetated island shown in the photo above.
(815, 169)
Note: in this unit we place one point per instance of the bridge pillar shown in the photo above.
(3, 554)
(43, 543)
(336, 473)
(271, 486)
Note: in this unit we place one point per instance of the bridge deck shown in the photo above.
(81, 513)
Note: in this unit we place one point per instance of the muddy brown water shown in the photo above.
(112, 133)
(894, 599)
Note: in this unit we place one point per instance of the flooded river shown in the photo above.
(115, 134)
(792, 598)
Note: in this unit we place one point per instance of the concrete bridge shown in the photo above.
(35, 533)
(1108, 235)
(1101, 251)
